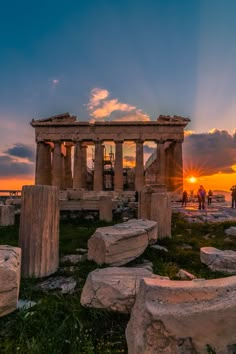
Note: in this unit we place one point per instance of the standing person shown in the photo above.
(209, 197)
(184, 198)
(201, 194)
(233, 195)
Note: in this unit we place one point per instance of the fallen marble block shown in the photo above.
(10, 268)
(217, 260)
(183, 317)
(114, 288)
(119, 244)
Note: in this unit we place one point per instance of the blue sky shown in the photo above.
(146, 58)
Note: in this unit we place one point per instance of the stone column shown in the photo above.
(105, 209)
(39, 230)
(139, 168)
(178, 168)
(98, 167)
(170, 162)
(68, 172)
(84, 167)
(57, 165)
(161, 165)
(77, 178)
(118, 178)
(43, 164)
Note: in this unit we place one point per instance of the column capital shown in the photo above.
(160, 141)
(139, 141)
(118, 141)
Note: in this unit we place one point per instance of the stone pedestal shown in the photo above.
(155, 204)
(39, 230)
(7, 215)
(10, 266)
(105, 209)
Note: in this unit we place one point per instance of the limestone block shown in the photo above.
(39, 230)
(105, 208)
(113, 288)
(7, 215)
(217, 260)
(149, 225)
(161, 212)
(74, 194)
(183, 317)
(118, 244)
(10, 267)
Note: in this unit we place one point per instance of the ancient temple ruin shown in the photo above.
(62, 139)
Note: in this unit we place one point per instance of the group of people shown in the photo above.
(201, 195)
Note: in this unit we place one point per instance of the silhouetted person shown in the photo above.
(184, 198)
(201, 195)
(233, 195)
(209, 197)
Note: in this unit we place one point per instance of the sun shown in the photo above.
(192, 179)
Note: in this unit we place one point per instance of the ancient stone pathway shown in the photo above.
(217, 212)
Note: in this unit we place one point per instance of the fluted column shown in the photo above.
(77, 178)
(68, 171)
(84, 166)
(57, 165)
(43, 164)
(98, 167)
(178, 170)
(139, 168)
(118, 167)
(161, 163)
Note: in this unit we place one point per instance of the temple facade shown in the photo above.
(62, 140)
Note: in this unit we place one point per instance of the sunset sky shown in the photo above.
(120, 59)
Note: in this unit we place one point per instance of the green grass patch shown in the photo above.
(59, 324)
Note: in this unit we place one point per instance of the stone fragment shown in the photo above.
(184, 275)
(25, 304)
(64, 285)
(217, 260)
(10, 268)
(74, 258)
(121, 243)
(39, 230)
(82, 250)
(7, 215)
(160, 248)
(113, 288)
(183, 316)
(231, 231)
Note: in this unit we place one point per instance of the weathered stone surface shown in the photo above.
(160, 248)
(155, 204)
(217, 260)
(39, 230)
(231, 231)
(10, 268)
(121, 243)
(64, 285)
(7, 215)
(105, 208)
(184, 275)
(74, 258)
(175, 317)
(150, 226)
(113, 288)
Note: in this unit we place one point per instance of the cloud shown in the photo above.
(96, 96)
(22, 151)
(11, 168)
(210, 153)
(100, 108)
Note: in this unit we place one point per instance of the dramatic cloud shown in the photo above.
(100, 108)
(10, 168)
(21, 150)
(210, 153)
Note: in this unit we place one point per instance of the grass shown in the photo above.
(59, 324)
